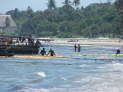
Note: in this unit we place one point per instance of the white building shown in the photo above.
(7, 24)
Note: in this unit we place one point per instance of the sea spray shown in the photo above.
(41, 74)
(33, 90)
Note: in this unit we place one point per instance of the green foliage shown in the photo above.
(119, 5)
(51, 4)
(67, 2)
(96, 20)
(76, 2)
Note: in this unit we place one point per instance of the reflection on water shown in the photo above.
(91, 73)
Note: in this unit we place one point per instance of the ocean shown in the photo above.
(94, 69)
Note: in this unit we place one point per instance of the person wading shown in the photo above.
(79, 48)
(51, 52)
(43, 52)
(117, 52)
(75, 48)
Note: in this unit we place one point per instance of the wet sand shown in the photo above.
(87, 41)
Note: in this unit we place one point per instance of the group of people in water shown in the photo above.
(52, 53)
(44, 53)
(77, 48)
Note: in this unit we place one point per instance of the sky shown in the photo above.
(6, 5)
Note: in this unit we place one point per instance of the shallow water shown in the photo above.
(91, 73)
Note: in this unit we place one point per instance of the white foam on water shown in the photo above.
(102, 87)
(33, 90)
(63, 78)
(41, 74)
(109, 47)
(84, 65)
(115, 66)
(110, 81)
(80, 89)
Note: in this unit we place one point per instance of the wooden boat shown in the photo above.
(21, 44)
(4, 52)
(23, 49)
(14, 44)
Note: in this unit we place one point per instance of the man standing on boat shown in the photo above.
(38, 44)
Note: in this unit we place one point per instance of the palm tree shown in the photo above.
(119, 5)
(67, 2)
(76, 3)
(30, 12)
(51, 4)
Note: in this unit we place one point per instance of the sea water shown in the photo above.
(89, 73)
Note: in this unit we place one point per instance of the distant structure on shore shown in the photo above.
(7, 24)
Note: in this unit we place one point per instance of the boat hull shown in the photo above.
(23, 50)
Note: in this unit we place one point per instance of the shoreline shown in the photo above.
(87, 41)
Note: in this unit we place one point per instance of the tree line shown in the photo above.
(70, 20)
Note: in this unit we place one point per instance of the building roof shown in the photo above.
(4, 19)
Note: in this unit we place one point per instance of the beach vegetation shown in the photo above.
(95, 20)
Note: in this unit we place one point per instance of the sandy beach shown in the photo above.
(87, 41)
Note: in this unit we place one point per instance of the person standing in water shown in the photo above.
(75, 48)
(117, 52)
(79, 48)
(51, 52)
(43, 52)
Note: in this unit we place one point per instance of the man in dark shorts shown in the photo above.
(118, 51)
(79, 48)
(51, 52)
(43, 52)
(75, 47)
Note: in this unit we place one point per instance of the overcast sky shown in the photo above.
(6, 5)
